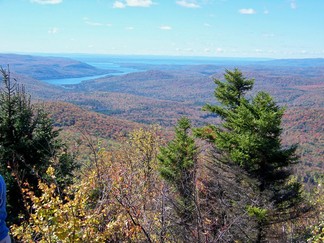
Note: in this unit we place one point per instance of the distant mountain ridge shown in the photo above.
(304, 62)
(43, 68)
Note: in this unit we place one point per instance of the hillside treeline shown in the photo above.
(227, 182)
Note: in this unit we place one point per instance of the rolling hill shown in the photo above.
(163, 94)
(42, 68)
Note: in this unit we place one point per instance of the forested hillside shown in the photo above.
(164, 93)
(135, 187)
(69, 116)
(231, 180)
(47, 67)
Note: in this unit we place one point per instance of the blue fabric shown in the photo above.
(3, 212)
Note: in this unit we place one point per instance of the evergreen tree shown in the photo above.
(249, 137)
(177, 166)
(27, 144)
(230, 94)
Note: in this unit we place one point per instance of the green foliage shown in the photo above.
(179, 154)
(178, 158)
(177, 166)
(65, 165)
(229, 94)
(27, 143)
(250, 137)
(259, 213)
(250, 133)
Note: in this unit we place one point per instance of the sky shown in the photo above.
(215, 28)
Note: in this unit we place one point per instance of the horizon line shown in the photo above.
(62, 54)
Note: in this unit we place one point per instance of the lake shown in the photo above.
(115, 69)
(120, 65)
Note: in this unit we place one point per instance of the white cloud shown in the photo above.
(130, 28)
(266, 11)
(165, 27)
(247, 11)
(53, 31)
(293, 4)
(132, 3)
(47, 1)
(219, 49)
(118, 4)
(188, 4)
(139, 3)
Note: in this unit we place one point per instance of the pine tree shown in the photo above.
(28, 141)
(249, 137)
(230, 94)
(178, 161)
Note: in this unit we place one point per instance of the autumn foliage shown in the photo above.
(142, 188)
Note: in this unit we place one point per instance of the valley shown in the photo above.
(160, 91)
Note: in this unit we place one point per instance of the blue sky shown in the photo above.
(216, 28)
